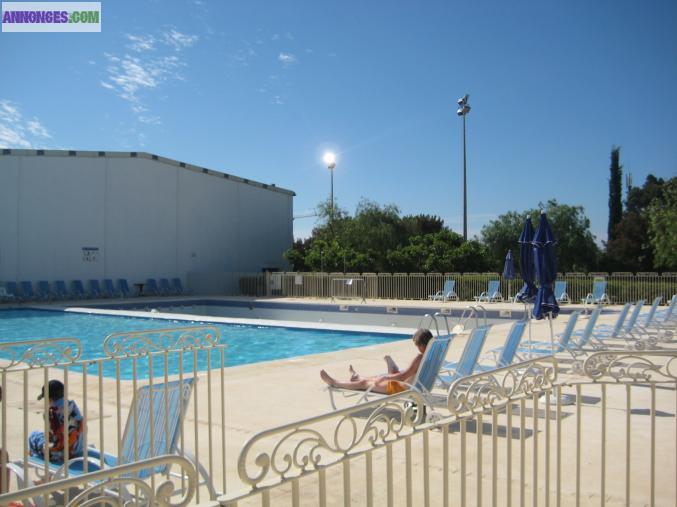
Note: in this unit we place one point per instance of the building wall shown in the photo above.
(148, 218)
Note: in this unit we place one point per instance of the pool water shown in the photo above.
(245, 344)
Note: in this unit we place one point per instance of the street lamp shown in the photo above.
(463, 110)
(330, 161)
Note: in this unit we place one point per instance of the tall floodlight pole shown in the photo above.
(463, 110)
(330, 160)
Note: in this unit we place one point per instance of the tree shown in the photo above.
(632, 246)
(377, 238)
(662, 218)
(576, 249)
(615, 192)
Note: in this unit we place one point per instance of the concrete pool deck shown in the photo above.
(265, 395)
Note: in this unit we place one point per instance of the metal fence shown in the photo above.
(116, 417)
(621, 287)
(505, 437)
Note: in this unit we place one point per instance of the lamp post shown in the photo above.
(330, 160)
(463, 110)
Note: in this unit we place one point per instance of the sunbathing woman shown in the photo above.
(394, 381)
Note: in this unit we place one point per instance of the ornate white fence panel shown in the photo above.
(104, 388)
(506, 437)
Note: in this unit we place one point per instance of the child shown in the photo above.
(390, 383)
(57, 419)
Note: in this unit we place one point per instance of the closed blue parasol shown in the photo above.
(526, 295)
(509, 271)
(546, 270)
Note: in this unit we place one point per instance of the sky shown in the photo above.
(262, 89)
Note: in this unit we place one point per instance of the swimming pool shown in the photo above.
(246, 344)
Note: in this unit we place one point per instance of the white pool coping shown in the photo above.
(192, 318)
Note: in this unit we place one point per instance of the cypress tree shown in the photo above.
(615, 192)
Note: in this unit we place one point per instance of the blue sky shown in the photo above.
(262, 89)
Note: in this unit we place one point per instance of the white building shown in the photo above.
(68, 215)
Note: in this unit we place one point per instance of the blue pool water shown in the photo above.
(246, 344)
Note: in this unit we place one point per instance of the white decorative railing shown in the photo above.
(114, 486)
(40, 353)
(104, 388)
(561, 454)
(138, 343)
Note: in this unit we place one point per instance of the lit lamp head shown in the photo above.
(330, 160)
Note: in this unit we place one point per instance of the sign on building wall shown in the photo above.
(90, 254)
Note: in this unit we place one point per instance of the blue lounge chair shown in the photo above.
(178, 287)
(563, 343)
(123, 287)
(27, 291)
(5, 296)
(60, 290)
(44, 291)
(605, 331)
(504, 356)
(165, 288)
(492, 294)
(424, 382)
(446, 294)
(468, 362)
(662, 318)
(561, 292)
(151, 287)
(147, 434)
(95, 289)
(12, 292)
(598, 296)
(109, 289)
(587, 336)
(79, 290)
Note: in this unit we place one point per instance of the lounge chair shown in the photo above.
(123, 287)
(8, 292)
(563, 343)
(178, 287)
(446, 294)
(504, 356)
(79, 290)
(605, 331)
(27, 291)
(587, 335)
(147, 434)
(662, 318)
(12, 290)
(109, 289)
(44, 291)
(95, 289)
(598, 296)
(427, 374)
(468, 362)
(165, 288)
(60, 290)
(151, 287)
(492, 294)
(561, 292)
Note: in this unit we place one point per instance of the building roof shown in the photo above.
(149, 156)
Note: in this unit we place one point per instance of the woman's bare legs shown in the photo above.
(376, 384)
(392, 367)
